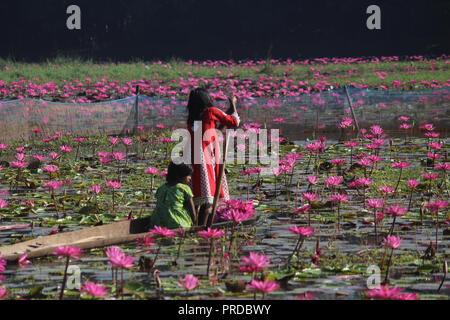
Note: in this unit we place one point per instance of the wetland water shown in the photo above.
(340, 273)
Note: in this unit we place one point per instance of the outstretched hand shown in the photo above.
(233, 102)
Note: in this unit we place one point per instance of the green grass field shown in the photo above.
(65, 70)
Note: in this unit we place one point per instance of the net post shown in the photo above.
(136, 111)
(353, 112)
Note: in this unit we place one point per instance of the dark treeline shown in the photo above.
(199, 29)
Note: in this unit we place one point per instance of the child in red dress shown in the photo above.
(203, 114)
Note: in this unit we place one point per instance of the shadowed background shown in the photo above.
(198, 29)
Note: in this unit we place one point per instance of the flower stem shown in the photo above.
(248, 187)
(209, 256)
(121, 283)
(410, 199)
(179, 246)
(386, 280)
(375, 221)
(231, 238)
(297, 247)
(437, 228)
(398, 181)
(393, 224)
(61, 294)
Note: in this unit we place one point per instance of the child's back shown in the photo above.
(172, 206)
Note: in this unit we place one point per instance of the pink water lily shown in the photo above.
(432, 134)
(94, 289)
(393, 242)
(96, 189)
(211, 233)
(333, 181)
(114, 184)
(146, 241)
(376, 204)
(51, 169)
(118, 259)
(302, 209)
(236, 215)
(413, 184)
(23, 262)
(430, 176)
(435, 206)
(113, 252)
(54, 185)
(152, 170)
(401, 165)
(3, 293)
(313, 179)
(338, 198)
(263, 287)
(2, 263)
(118, 156)
(386, 293)
(302, 231)
(443, 166)
(162, 231)
(351, 144)
(428, 127)
(435, 145)
(3, 203)
(405, 126)
(396, 210)
(254, 262)
(122, 261)
(113, 140)
(20, 157)
(345, 123)
(127, 141)
(104, 160)
(65, 149)
(386, 189)
(19, 164)
(310, 197)
(189, 282)
(67, 251)
(338, 162)
(54, 155)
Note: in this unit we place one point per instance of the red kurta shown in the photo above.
(206, 170)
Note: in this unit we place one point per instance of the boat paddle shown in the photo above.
(221, 170)
(219, 184)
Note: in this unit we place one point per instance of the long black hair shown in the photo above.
(177, 171)
(199, 100)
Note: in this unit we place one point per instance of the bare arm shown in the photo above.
(192, 211)
(230, 118)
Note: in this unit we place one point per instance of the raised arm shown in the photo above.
(231, 121)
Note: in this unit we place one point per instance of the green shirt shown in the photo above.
(171, 206)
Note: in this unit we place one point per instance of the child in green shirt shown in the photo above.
(174, 204)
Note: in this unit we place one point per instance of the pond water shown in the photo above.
(346, 254)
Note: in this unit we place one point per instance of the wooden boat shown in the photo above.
(95, 237)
